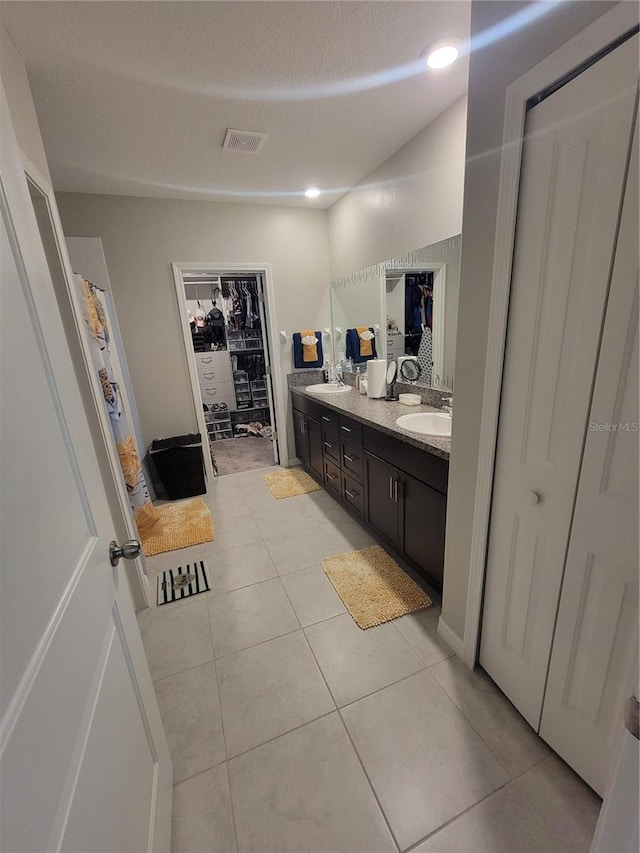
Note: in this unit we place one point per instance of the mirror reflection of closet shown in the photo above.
(410, 319)
(421, 291)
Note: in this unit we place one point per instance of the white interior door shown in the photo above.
(267, 362)
(594, 662)
(84, 764)
(574, 166)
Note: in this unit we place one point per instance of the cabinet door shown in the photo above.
(422, 527)
(314, 433)
(382, 498)
(300, 437)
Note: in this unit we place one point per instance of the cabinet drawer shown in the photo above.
(212, 359)
(308, 407)
(213, 374)
(329, 419)
(331, 445)
(351, 459)
(221, 392)
(395, 345)
(351, 430)
(423, 465)
(332, 476)
(353, 493)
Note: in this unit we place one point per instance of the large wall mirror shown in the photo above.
(410, 306)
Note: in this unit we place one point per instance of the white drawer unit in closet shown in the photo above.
(221, 392)
(209, 374)
(212, 359)
(395, 346)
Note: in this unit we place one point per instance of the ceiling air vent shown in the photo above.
(243, 140)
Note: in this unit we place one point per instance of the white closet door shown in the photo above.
(595, 649)
(574, 164)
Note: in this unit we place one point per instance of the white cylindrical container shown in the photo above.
(377, 378)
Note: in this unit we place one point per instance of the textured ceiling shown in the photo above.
(134, 98)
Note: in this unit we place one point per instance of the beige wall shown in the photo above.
(492, 70)
(141, 237)
(413, 199)
(21, 107)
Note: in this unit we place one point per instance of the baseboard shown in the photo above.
(451, 638)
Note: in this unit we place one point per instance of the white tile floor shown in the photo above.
(293, 730)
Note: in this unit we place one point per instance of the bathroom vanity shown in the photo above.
(392, 480)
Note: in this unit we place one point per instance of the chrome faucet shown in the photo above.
(338, 373)
(447, 404)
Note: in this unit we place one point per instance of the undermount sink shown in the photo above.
(426, 423)
(327, 388)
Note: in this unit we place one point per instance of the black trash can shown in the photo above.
(180, 465)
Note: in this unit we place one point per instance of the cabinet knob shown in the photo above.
(534, 498)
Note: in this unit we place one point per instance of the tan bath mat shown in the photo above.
(290, 482)
(373, 587)
(181, 525)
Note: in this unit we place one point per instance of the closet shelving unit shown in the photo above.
(246, 393)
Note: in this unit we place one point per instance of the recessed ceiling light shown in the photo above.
(442, 54)
(312, 192)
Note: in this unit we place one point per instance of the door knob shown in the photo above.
(534, 498)
(130, 550)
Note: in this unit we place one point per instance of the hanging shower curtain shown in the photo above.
(96, 318)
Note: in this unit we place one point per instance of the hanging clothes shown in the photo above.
(215, 326)
(418, 295)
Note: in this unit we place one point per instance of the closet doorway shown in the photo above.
(225, 321)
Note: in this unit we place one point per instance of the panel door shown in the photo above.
(381, 504)
(300, 437)
(574, 165)
(84, 763)
(422, 527)
(594, 662)
(314, 431)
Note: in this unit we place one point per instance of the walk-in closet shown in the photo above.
(227, 336)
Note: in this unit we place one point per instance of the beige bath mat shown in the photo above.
(373, 587)
(290, 482)
(181, 525)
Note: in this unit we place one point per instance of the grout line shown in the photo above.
(380, 689)
(369, 782)
(456, 817)
(481, 737)
(261, 643)
(322, 675)
(199, 772)
(295, 612)
(180, 671)
(282, 734)
(233, 811)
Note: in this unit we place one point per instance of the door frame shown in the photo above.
(553, 68)
(116, 487)
(264, 270)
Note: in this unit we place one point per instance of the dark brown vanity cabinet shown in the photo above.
(367, 470)
(407, 510)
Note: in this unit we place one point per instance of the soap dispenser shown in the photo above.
(358, 378)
